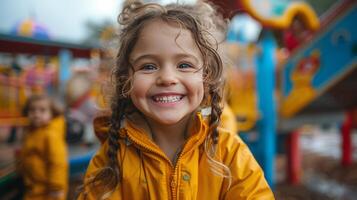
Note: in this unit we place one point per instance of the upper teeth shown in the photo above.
(167, 99)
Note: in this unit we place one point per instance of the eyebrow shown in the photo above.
(177, 56)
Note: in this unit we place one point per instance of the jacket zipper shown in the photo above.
(173, 180)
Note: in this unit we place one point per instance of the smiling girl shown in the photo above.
(162, 138)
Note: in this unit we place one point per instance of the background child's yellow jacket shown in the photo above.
(149, 174)
(43, 162)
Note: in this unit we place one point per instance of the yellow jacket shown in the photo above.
(43, 162)
(149, 174)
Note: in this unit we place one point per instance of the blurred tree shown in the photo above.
(95, 31)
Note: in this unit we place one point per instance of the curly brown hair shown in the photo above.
(206, 26)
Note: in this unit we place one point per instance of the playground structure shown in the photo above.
(262, 68)
(15, 86)
(322, 66)
(318, 83)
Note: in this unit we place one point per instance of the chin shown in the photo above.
(168, 121)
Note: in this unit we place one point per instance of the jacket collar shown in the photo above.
(136, 131)
(140, 136)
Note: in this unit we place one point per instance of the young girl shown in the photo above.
(162, 140)
(43, 157)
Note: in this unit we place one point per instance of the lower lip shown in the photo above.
(168, 104)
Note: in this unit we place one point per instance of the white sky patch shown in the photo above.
(64, 19)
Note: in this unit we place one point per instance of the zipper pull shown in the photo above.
(173, 181)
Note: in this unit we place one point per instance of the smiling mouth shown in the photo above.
(167, 99)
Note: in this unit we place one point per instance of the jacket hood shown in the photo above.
(101, 127)
(136, 127)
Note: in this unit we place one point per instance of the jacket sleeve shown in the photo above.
(248, 180)
(98, 162)
(57, 165)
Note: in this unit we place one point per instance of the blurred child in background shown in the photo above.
(43, 156)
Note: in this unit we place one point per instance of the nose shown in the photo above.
(36, 113)
(167, 76)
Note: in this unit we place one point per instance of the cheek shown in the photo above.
(197, 86)
(49, 116)
(201, 93)
(46, 117)
(139, 87)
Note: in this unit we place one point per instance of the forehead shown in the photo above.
(40, 103)
(159, 36)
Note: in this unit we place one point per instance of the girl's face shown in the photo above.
(40, 113)
(168, 79)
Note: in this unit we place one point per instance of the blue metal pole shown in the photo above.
(265, 63)
(65, 58)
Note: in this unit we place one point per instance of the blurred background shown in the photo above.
(291, 82)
